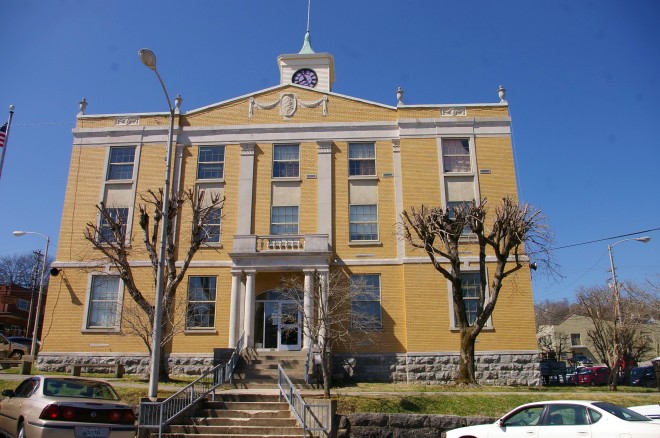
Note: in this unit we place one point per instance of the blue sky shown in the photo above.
(582, 79)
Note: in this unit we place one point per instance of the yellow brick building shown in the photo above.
(312, 180)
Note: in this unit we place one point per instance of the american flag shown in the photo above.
(3, 134)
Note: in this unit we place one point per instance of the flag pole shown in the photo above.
(6, 139)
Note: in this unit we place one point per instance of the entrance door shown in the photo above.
(289, 327)
(278, 325)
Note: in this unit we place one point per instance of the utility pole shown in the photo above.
(35, 273)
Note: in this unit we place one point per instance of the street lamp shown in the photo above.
(618, 322)
(33, 348)
(148, 58)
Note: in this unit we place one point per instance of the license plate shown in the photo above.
(92, 432)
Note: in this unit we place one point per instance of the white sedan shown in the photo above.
(651, 411)
(565, 419)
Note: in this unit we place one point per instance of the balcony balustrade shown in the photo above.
(281, 243)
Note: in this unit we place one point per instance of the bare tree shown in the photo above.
(110, 238)
(636, 311)
(550, 312)
(23, 269)
(440, 232)
(339, 318)
(554, 345)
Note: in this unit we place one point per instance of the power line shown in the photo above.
(604, 239)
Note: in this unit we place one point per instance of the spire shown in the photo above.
(307, 45)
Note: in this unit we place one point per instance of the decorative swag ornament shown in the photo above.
(288, 103)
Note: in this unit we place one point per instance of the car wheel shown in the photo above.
(21, 431)
(16, 354)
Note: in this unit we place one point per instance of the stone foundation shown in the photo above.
(498, 368)
(139, 364)
(402, 425)
(501, 368)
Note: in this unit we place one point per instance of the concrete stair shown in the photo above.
(258, 369)
(238, 415)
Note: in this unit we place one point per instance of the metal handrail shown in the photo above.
(312, 417)
(158, 414)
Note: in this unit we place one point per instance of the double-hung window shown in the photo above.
(211, 162)
(361, 159)
(575, 339)
(22, 304)
(365, 302)
(201, 302)
(284, 220)
(363, 222)
(286, 161)
(103, 302)
(456, 155)
(120, 217)
(212, 228)
(120, 163)
(471, 285)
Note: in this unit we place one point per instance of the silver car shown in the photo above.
(65, 407)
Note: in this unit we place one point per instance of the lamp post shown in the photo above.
(35, 333)
(148, 58)
(618, 322)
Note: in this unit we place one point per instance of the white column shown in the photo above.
(398, 192)
(324, 317)
(234, 306)
(245, 189)
(308, 308)
(325, 189)
(248, 322)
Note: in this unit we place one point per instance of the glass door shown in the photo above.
(278, 325)
(289, 326)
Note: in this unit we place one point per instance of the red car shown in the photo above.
(593, 376)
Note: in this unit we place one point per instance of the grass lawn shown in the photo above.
(490, 401)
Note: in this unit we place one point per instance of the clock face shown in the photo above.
(306, 77)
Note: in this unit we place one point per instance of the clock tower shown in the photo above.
(307, 68)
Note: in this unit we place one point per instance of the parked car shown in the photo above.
(651, 411)
(581, 359)
(565, 418)
(63, 407)
(9, 349)
(643, 376)
(571, 375)
(24, 341)
(593, 376)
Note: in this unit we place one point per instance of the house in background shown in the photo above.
(15, 310)
(576, 328)
(313, 180)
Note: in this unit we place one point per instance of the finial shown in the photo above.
(501, 92)
(83, 106)
(11, 108)
(307, 45)
(177, 103)
(399, 96)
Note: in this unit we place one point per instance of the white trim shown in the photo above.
(88, 297)
(453, 105)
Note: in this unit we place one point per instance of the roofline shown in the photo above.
(301, 87)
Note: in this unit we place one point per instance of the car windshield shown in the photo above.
(584, 371)
(79, 388)
(622, 413)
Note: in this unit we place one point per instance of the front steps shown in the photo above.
(238, 415)
(258, 369)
